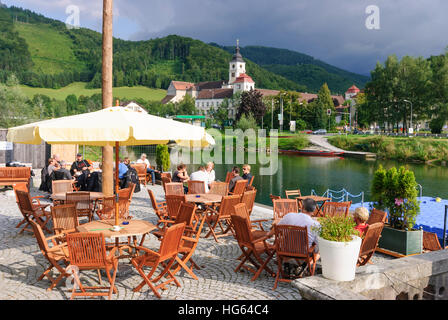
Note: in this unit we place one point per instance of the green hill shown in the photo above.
(301, 68)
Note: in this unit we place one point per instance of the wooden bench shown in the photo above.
(11, 175)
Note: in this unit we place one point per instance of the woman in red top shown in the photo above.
(361, 216)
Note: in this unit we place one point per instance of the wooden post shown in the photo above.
(107, 82)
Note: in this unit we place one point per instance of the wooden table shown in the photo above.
(133, 229)
(317, 199)
(206, 198)
(61, 196)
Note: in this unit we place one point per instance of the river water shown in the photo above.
(322, 173)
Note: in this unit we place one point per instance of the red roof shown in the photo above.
(181, 85)
(244, 78)
(353, 89)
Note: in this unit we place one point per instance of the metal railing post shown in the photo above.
(444, 226)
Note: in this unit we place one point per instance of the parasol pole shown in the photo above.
(107, 78)
(117, 160)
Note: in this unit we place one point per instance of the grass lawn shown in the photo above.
(78, 89)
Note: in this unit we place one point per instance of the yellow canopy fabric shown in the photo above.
(110, 125)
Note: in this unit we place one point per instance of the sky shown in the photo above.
(350, 34)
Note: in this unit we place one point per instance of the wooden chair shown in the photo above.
(186, 214)
(87, 251)
(332, 209)
(369, 243)
(430, 242)
(283, 207)
(174, 188)
(251, 181)
(61, 186)
(241, 210)
(165, 180)
(195, 187)
(55, 255)
(377, 216)
(106, 209)
(229, 176)
(248, 198)
(187, 248)
(240, 187)
(173, 205)
(294, 193)
(65, 219)
(274, 197)
(166, 174)
(216, 217)
(23, 186)
(141, 172)
(81, 199)
(292, 242)
(221, 188)
(32, 212)
(159, 207)
(169, 249)
(252, 248)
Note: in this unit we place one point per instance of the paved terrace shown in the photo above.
(21, 263)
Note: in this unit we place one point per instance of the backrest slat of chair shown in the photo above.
(173, 203)
(40, 237)
(241, 210)
(195, 187)
(174, 188)
(332, 209)
(64, 217)
(283, 207)
(242, 230)
(86, 249)
(240, 187)
(248, 198)
(221, 188)
(371, 238)
(291, 240)
(289, 193)
(80, 198)
(171, 241)
(227, 206)
(22, 186)
(61, 186)
(107, 210)
(186, 213)
(430, 241)
(25, 202)
(377, 216)
(229, 176)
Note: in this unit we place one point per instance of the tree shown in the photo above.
(246, 122)
(221, 115)
(72, 104)
(186, 106)
(14, 107)
(251, 104)
(324, 102)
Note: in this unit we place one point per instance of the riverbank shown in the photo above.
(410, 149)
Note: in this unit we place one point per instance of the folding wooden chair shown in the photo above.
(248, 198)
(186, 214)
(81, 199)
(241, 210)
(165, 180)
(251, 181)
(370, 243)
(221, 188)
(87, 251)
(65, 219)
(169, 249)
(174, 188)
(274, 197)
(283, 207)
(217, 217)
(229, 176)
(377, 216)
(159, 207)
(252, 248)
(55, 255)
(332, 209)
(195, 187)
(35, 201)
(240, 187)
(141, 172)
(32, 211)
(61, 186)
(294, 193)
(291, 242)
(173, 205)
(430, 242)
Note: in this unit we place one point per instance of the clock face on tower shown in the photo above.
(233, 66)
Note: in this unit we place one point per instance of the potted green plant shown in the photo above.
(163, 157)
(339, 245)
(395, 191)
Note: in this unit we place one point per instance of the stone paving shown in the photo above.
(21, 263)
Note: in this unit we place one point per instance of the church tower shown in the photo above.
(237, 66)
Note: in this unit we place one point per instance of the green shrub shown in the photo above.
(337, 228)
(163, 157)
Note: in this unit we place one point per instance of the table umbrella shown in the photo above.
(117, 126)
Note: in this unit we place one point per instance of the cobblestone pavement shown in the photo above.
(21, 263)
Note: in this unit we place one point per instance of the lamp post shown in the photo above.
(281, 105)
(410, 125)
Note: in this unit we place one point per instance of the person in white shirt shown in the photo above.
(210, 173)
(301, 219)
(143, 159)
(201, 175)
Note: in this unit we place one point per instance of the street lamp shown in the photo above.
(411, 116)
(281, 104)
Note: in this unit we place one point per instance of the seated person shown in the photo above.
(210, 173)
(51, 165)
(60, 172)
(94, 180)
(181, 175)
(246, 173)
(79, 166)
(361, 216)
(143, 159)
(123, 168)
(300, 219)
(201, 175)
(236, 177)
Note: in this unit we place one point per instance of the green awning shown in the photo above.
(190, 117)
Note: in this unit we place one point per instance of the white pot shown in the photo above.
(339, 259)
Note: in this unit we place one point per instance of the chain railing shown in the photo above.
(341, 195)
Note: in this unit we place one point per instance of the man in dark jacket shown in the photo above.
(79, 165)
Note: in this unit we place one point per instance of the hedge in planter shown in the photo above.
(163, 157)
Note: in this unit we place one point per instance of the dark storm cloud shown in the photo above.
(330, 30)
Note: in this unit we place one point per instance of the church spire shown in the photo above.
(237, 57)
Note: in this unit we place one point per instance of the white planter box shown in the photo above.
(339, 258)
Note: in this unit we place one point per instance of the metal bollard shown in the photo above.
(444, 226)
